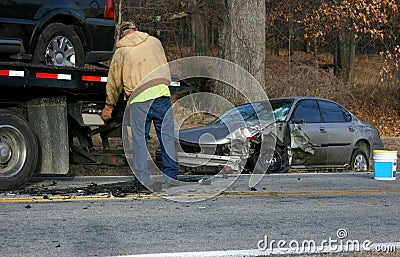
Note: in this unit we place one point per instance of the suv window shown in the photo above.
(307, 111)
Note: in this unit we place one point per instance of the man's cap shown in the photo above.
(127, 25)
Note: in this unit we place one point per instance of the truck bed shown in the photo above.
(37, 79)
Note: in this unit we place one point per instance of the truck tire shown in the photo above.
(59, 45)
(18, 150)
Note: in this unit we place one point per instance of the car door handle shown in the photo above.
(322, 129)
(351, 129)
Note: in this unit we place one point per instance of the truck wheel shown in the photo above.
(59, 45)
(18, 150)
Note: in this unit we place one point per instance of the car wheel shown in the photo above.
(271, 165)
(59, 45)
(359, 161)
(18, 150)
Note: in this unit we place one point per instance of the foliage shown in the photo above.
(369, 98)
(291, 25)
(356, 17)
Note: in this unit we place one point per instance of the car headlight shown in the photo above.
(224, 150)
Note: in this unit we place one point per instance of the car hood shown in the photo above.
(219, 134)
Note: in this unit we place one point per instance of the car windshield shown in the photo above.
(256, 111)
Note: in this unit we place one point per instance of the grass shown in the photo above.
(370, 98)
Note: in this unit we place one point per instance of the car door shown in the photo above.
(340, 131)
(307, 116)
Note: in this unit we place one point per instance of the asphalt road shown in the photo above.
(334, 207)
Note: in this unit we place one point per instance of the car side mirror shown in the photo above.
(348, 117)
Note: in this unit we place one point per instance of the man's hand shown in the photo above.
(106, 112)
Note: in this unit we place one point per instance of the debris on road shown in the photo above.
(117, 189)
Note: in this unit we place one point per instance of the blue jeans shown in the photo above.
(142, 114)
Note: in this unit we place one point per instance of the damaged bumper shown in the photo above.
(194, 161)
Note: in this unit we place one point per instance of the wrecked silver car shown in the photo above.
(307, 132)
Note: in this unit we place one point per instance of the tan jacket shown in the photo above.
(138, 58)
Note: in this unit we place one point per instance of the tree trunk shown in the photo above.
(340, 57)
(352, 55)
(316, 54)
(199, 29)
(345, 57)
(242, 41)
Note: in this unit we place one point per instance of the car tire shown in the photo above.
(59, 45)
(359, 160)
(18, 150)
(276, 165)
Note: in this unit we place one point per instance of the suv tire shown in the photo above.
(59, 45)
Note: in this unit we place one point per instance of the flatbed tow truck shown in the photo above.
(48, 116)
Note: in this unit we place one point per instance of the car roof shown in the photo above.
(300, 98)
(293, 98)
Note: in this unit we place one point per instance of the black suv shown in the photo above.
(57, 32)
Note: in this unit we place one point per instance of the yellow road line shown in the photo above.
(57, 198)
(299, 193)
(40, 199)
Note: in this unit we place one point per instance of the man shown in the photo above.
(139, 68)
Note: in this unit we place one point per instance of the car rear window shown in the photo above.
(332, 112)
